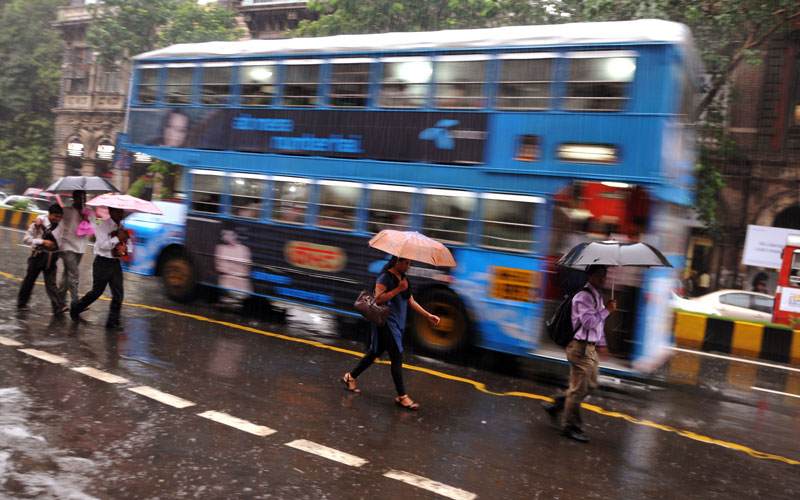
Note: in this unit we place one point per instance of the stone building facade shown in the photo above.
(91, 106)
(762, 174)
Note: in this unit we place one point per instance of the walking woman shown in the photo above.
(392, 288)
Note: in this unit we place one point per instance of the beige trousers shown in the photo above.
(583, 369)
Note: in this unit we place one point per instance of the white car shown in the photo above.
(35, 206)
(678, 302)
(739, 304)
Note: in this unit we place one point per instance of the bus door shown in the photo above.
(787, 295)
(504, 296)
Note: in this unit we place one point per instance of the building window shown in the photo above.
(179, 85)
(206, 191)
(525, 81)
(349, 82)
(300, 84)
(216, 85)
(148, 86)
(459, 82)
(405, 82)
(599, 82)
(258, 84)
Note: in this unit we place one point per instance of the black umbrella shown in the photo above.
(613, 253)
(90, 184)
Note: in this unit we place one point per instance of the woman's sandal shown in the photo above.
(349, 383)
(406, 402)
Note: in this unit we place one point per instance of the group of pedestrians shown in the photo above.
(55, 236)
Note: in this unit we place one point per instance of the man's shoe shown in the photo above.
(73, 312)
(552, 410)
(575, 433)
(113, 325)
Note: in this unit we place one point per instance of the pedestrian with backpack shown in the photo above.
(588, 317)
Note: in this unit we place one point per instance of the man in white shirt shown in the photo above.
(106, 269)
(72, 245)
(42, 237)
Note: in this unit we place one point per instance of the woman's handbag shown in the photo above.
(376, 313)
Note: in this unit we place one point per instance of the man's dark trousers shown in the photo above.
(105, 271)
(36, 266)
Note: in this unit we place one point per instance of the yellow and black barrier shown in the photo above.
(16, 219)
(740, 338)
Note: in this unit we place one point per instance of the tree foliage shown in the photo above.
(30, 55)
(121, 29)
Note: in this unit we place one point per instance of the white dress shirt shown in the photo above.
(104, 243)
(68, 238)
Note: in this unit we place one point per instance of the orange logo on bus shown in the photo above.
(313, 256)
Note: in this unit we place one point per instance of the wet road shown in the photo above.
(701, 432)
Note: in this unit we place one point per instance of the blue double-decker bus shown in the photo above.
(507, 144)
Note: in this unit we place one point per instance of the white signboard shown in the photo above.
(790, 299)
(763, 246)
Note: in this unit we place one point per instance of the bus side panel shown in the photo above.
(503, 295)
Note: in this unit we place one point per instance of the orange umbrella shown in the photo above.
(413, 245)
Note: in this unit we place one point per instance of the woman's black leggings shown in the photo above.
(385, 342)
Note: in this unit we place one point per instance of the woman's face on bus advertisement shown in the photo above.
(175, 130)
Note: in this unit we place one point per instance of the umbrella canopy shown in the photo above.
(125, 202)
(413, 245)
(81, 183)
(613, 253)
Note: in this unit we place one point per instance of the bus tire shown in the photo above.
(178, 276)
(451, 335)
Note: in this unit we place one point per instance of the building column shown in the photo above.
(88, 168)
(59, 168)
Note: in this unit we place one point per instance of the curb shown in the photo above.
(742, 338)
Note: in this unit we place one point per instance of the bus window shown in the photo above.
(794, 273)
(246, 199)
(349, 80)
(148, 86)
(337, 205)
(527, 148)
(290, 200)
(599, 81)
(405, 82)
(179, 85)
(258, 84)
(206, 191)
(525, 81)
(459, 83)
(389, 207)
(216, 85)
(446, 214)
(508, 221)
(300, 84)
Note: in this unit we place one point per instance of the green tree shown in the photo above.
(30, 55)
(123, 28)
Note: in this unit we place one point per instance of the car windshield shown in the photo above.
(42, 204)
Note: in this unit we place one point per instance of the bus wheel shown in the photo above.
(452, 333)
(177, 274)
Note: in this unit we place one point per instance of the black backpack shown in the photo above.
(559, 326)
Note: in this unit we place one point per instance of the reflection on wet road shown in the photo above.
(268, 418)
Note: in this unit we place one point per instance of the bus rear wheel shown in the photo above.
(177, 274)
(451, 335)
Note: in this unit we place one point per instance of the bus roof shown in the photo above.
(639, 31)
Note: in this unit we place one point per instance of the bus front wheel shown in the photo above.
(177, 274)
(451, 335)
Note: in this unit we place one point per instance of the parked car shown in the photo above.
(678, 302)
(65, 200)
(33, 205)
(739, 304)
(3, 195)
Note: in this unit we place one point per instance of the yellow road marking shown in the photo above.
(480, 386)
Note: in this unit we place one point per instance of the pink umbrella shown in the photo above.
(125, 202)
(413, 245)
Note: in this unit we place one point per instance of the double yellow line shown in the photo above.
(477, 385)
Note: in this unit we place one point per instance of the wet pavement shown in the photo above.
(699, 430)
